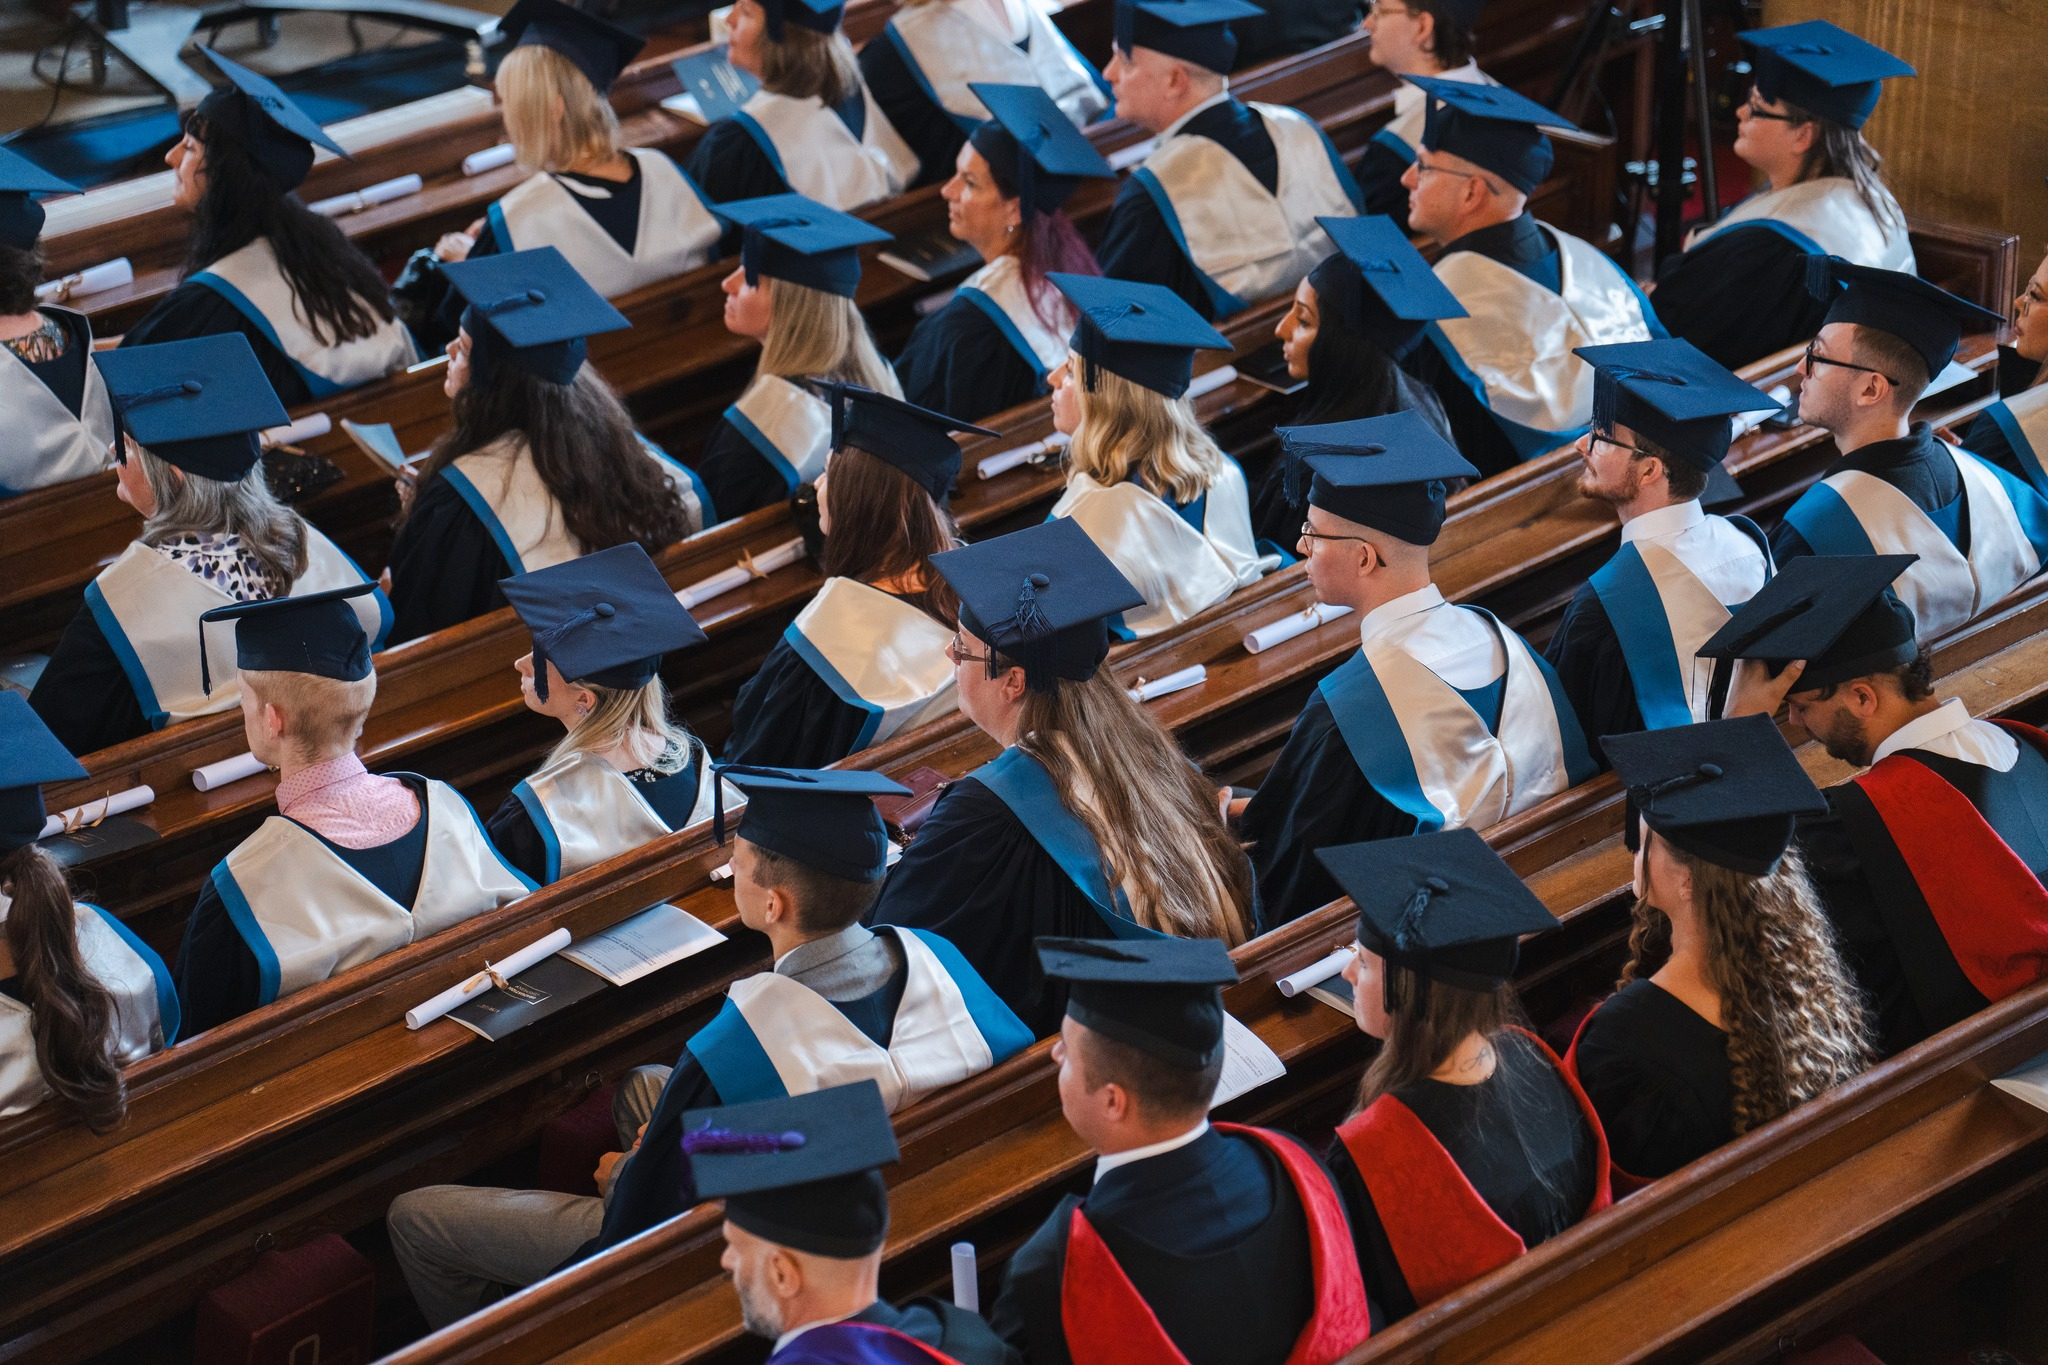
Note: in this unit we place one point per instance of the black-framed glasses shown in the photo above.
(1814, 357)
(956, 650)
(1308, 534)
(1598, 439)
(1755, 110)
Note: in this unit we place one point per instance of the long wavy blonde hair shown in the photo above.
(622, 711)
(529, 79)
(1129, 429)
(816, 335)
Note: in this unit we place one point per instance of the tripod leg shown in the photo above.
(1696, 48)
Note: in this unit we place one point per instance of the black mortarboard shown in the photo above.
(802, 1172)
(1465, 13)
(1673, 393)
(29, 756)
(1924, 316)
(317, 633)
(21, 217)
(530, 309)
(789, 237)
(916, 440)
(1492, 127)
(1195, 31)
(1042, 597)
(1389, 473)
(1837, 612)
(821, 16)
(1033, 147)
(1822, 69)
(598, 49)
(1727, 791)
(278, 135)
(606, 618)
(1162, 996)
(197, 404)
(1383, 289)
(822, 817)
(1144, 332)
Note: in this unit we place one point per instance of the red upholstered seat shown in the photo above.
(311, 1305)
(1842, 1350)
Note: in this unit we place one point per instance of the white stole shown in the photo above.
(504, 489)
(1825, 215)
(818, 155)
(49, 445)
(249, 278)
(1403, 132)
(132, 974)
(789, 425)
(677, 231)
(1001, 282)
(1178, 569)
(946, 49)
(586, 811)
(878, 653)
(1692, 613)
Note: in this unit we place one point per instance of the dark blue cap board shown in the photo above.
(598, 49)
(197, 404)
(1195, 31)
(1924, 316)
(1837, 612)
(913, 439)
(1390, 473)
(1464, 13)
(1042, 597)
(278, 135)
(1490, 126)
(532, 310)
(1673, 393)
(1728, 791)
(803, 1172)
(1163, 996)
(1144, 332)
(605, 619)
(789, 237)
(823, 817)
(29, 756)
(1822, 69)
(820, 16)
(21, 217)
(317, 633)
(1033, 147)
(1389, 293)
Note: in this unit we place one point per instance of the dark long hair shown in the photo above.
(341, 293)
(1050, 242)
(20, 273)
(1349, 375)
(72, 1016)
(884, 526)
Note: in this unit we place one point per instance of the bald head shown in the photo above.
(1449, 196)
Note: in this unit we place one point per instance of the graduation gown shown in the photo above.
(1182, 557)
(618, 236)
(845, 158)
(145, 1007)
(62, 426)
(578, 812)
(774, 438)
(986, 351)
(1658, 1077)
(955, 1333)
(2013, 432)
(1392, 149)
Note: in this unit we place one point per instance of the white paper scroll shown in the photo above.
(1194, 675)
(489, 159)
(1745, 422)
(1316, 973)
(1130, 156)
(226, 771)
(966, 1278)
(1210, 382)
(1003, 461)
(739, 575)
(91, 280)
(312, 425)
(1287, 627)
(92, 812)
(355, 201)
(476, 985)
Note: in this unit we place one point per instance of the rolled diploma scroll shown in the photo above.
(93, 279)
(1194, 675)
(313, 424)
(1317, 972)
(489, 159)
(226, 771)
(1210, 382)
(355, 201)
(1003, 461)
(476, 985)
(966, 1278)
(739, 575)
(1287, 627)
(93, 811)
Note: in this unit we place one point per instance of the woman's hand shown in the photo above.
(406, 480)
(456, 246)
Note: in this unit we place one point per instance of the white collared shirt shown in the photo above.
(1455, 644)
(1209, 103)
(1950, 731)
(793, 1333)
(1726, 561)
(1105, 1164)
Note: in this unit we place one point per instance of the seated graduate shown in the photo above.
(2013, 432)
(212, 534)
(1205, 1244)
(1468, 1143)
(263, 264)
(1444, 718)
(1735, 1006)
(1506, 371)
(624, 775)
(1736, 291)
(1931, 863)
(793, 293)
(924, 68)
(1091, 822)
(865, 658)
(1005, 328)
(1145, 480)
(1285, 27)
(813, 128)
(1897, 487)
(86, 996)
(1223, 212)
(1354, 319)
(62, 424)
(1413, 38)
(353, 865)
(542, 464)
(1627, 650)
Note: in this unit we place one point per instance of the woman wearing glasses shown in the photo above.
(1412, 38)
(2013, 432)
(1738, 292)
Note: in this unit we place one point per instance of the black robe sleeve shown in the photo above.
(953, 1332)
(1739, 296)
(1986, 439)
(444, 565)
(1026, 1312)
(958, 362)
(1474, 431)
(216, 974)
(193, 310)
(1137, 245)
(738, 477)
(1385, 1284)
(513, 834)
(84, 695)
(924, 124)
(1653, 1118)
(787, 717)
(647, 1188)
(1590, 666)
(1787, 544)
(1379, 179)
(728, 164)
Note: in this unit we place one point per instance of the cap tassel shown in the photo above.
(205, 673)
(725, 1142)
(545, 641)
(1770, 623)
(530, 298)
(1820, 277)
(1407, 940)
(183, 389)
(1645, 796)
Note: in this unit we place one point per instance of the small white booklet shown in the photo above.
(647, 942)
(2028, 1081)
(1247, 1062)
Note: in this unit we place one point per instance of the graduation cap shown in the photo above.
(1162, 996)
(1389, 473)
(1490, 126)
(197, 404)
(913, 439)
(1195, 31)
(317, 633)
(1464, 13)
(1033, 146)
(820, 16)
(598, 49)
(1041, 596)
(1728, 791)
(802, 1172)
(29, 756)
(604, 619)
(1837, 612)
(532, 310)
(21, 217)
(1924, 316)
(823, 817)
(1144, 332)
(1378, 285)
(1443, 906)
(1673, 393)
(278, 135)
(1822, 69)
(789, 237)
(1721, 489)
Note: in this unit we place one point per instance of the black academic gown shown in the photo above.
(84, 695)
(952, 1331)
(216, 972)
(1915, 464)
(737, 477)
(1739, 296)
(1379, 180)
(727, 163)
(1593, 671)
(1658, 1077)
(445, 566)
(959, 362)
(921, 121)
(1986, 438)
(673, 796)
(193, 310)
(1211, 1235)
(1290, 26)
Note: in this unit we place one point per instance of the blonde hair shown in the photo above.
(806, 64)
(529, 80)
(191, 504)
(322, 716)
(816, 335)
(618, 713)
(1128, 429)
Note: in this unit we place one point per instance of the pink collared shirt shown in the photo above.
(345, 802)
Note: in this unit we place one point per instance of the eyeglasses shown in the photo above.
(1379, 9)
(1598, 439)
(1424, 168)
(1752, 109)
(1814, 357)
(956, 650)
(1307, 534)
